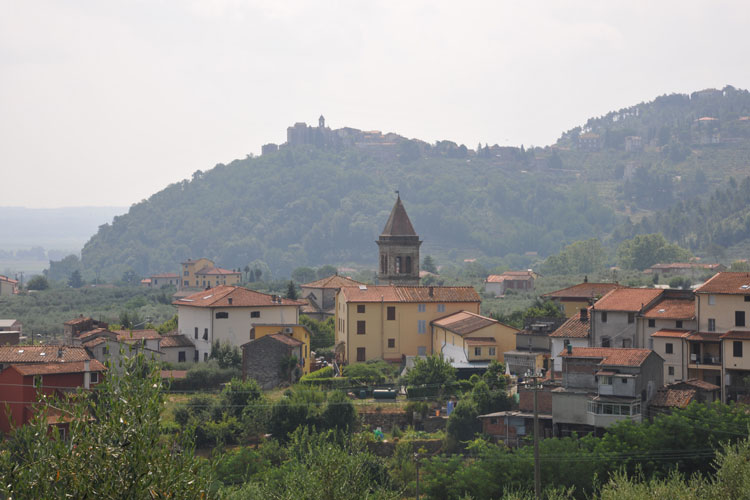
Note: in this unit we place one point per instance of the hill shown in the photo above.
(324, 196)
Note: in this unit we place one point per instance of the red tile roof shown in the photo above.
(464, 322)
(175, 341)
(280, 337)
(698, 383)
(666, 332)
(215, 271)
(705, 336)
(573, 328)
(334, 281)
(480, 341)
(93, 343)
(93, 333)
(77, 321)
(42, 354)
(736, 335)
(583, 291)
(125, 335)
(388, 293)
(673, 398)
(627, 299)
(672, 309)
(241, 297)
(610, 356)
(511, 275)
(728, 283)
(57, 368)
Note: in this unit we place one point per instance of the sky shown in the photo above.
(106, 103)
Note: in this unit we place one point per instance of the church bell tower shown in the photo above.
(399, 249)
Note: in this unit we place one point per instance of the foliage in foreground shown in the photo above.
(113, 449)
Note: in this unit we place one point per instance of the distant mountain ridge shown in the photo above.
(319, 200)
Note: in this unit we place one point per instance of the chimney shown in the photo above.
(432, 291)
(584, 314)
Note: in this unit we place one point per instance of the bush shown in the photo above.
(203, 376)
(325, 372)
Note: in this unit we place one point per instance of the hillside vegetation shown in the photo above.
(311, 205)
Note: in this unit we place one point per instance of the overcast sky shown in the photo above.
(107, 102)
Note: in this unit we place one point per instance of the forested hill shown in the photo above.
(324, 198)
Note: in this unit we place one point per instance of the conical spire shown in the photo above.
(398, 223)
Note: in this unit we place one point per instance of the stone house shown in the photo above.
(264, 359)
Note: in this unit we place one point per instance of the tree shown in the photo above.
(580, 257)
(304, 275)
(291, 291)
(323, 335)
(645, 250)
(428, 264)
(38, 282)
(75, 280)
(432, 370)
(226, 354)
(326, 271)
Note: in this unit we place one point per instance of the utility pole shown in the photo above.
(416, 459)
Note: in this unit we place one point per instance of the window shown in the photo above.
(255, 314)
(407, 269)
(737, 349)
(360, 308)
(383, 264)
(668, 348)
(185, 283)
(605, 379)
(360, 327)
(624, 380)
(651, 323)
(94, 377)
(360, 354)
(711, 300)
(678, 323)
(670, 370)
(391, 313)
(205, 334)
(421, 308)
(105, 350)
(441, 308)
(605, 341)
(195, 356)
(181, 357)
(398, 265)
(196, 332)
(205, 356)
(492, 351)
(627, 343)
(252, 334)
(477, 351)
(422, 326)
(222, 315)
(391, 343)
(747, 298)
(421, 351)
(186, 273)
(711, 325)
(739, 318)
(604, 316)
(631, 317)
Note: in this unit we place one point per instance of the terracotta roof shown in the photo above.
(480, 341)
(705, 336)
(674, 398)
(8, 280)
(334, 281)
(215, 271)
(241, 297)
(733, 283)
(698, 383)
(666, 332)
(56, 368)
(286, 339)
(464, 322)
(627, 299)
(583, 291)
(95, 342)
(42, 354)
(573, 328)
(93, 333)
(146, 281)
(176, 341)
(76, 321)
(510, 275)
(736, 335)
(398, 223)
(684, 265)
(671, 309)
(125, 335)
(390, 293)
(610, 356)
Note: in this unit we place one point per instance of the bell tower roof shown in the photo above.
(398, 223)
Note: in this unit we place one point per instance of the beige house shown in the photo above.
(673, 347)
(228, 314)
(613, 317)
(321, 296)
(675, 310)
(203, 273)
(390, 322)
(470, 340)
(8, 286)
(498, 284)
(574, 333)
(574, 298)
(177, 349)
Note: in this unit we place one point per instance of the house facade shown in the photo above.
(469, 339)
(613, 317)
(263, 359)
(321, 296)
(574, 298)
(8, 286)
(574, 332)
(298, 332)
(389, 322)
(498, 284)
(228, 314)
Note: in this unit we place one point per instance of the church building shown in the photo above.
(399, 250)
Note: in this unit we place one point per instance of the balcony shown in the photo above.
(706, 361)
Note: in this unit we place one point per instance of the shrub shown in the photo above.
(325, 372)
(202, 376)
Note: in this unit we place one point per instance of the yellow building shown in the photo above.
(574, 298)
(466, 337)
(203, 273)
(389, 322)
(298, 332)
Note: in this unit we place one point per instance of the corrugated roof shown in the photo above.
(42, 354)
(398, 223)
(583, 291)
(610, 356)
(241, 297)
(390, 293)
(464, 322)
(573, 328)
(627, 299)
(670, 333)
(58, 368)
(727, 282)
(671, 309)
(334, 281)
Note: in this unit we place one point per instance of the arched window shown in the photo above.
(383, 266)
(398, 265)
(407, 268)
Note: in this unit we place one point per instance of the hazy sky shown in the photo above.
(107, 102)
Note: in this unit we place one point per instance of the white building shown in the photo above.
(228, 314)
